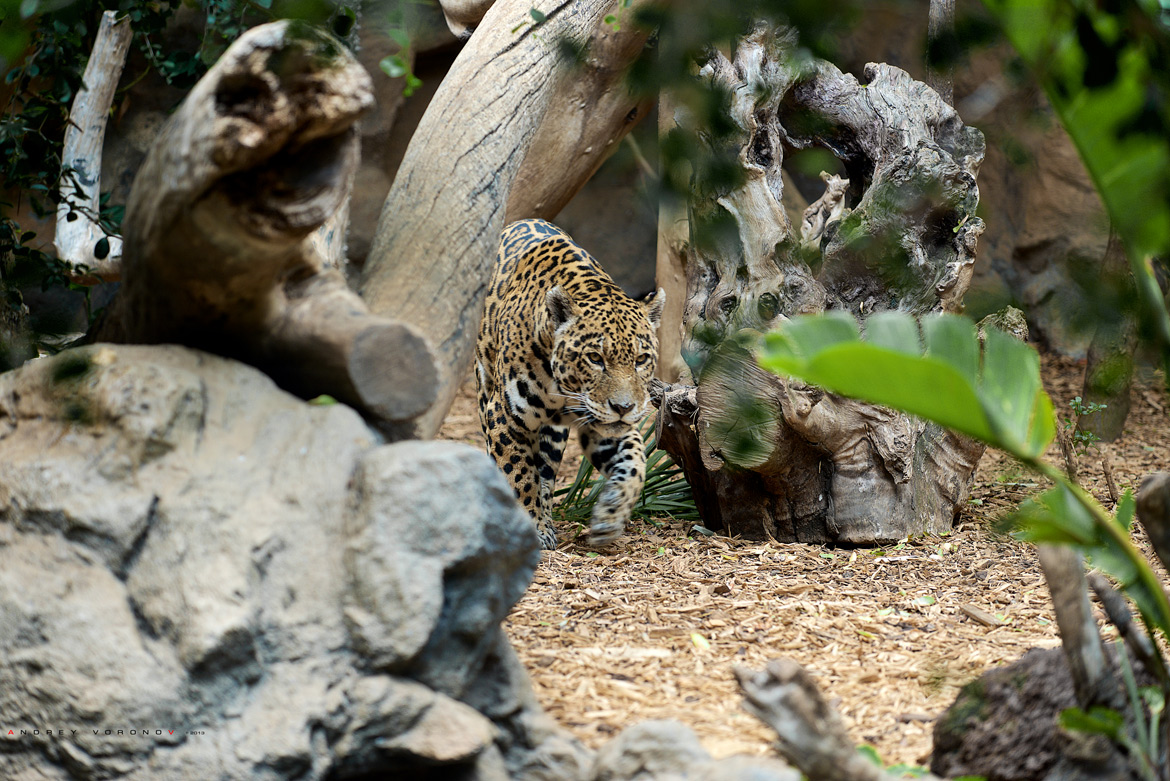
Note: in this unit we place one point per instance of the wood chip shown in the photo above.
(981, 616)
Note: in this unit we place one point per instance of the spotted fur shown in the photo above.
(562, 344)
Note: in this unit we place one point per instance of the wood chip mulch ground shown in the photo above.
(652, 627)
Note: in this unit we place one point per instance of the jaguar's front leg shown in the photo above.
(516, 448)
(622, 461)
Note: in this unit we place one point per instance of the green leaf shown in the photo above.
(1000, 402)
(1098, 721)
(804, 337)
(324, 400)
(1125, 510)
(921, 386)
(871, 753)
(1055, 516)
(952, 340)
(102, 248)
(894, 331)
(1011, 381)
(394, 66)
(400, 37)
(537, 15)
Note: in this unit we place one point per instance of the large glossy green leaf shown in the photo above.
(894, 331)
(952, 340)
(1061, 516)
(1000, 402)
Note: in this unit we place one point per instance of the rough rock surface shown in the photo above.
(204, 577)
(669, 751)
(1004, 726)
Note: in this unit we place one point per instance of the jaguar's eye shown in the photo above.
(642, 359)
(596, 358)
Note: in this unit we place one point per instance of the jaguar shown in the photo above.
(562, 346)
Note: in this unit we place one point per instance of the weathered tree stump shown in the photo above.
(221, 247)
(769, 457)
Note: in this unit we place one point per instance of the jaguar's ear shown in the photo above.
(654, 303)
(560, 307)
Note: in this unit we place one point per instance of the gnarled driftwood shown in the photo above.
(775, 458)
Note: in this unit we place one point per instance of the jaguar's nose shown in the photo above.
(621, 408)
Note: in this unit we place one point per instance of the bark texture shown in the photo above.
(220, 250)
(811, 735)
(515, 129)
(77, 229)
(774, 458)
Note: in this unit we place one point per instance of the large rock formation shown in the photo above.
(204, 577)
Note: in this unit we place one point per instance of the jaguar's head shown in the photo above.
(605, 350)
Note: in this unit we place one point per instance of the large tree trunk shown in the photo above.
(516, 128)
(220, 251)
(770, 457)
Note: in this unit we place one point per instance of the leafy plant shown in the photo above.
(986, 386)
(1083, 441)
(399, 65)
(664, 492)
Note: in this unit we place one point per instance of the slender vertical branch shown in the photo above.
(78, 232)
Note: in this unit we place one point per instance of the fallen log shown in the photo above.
(220, 252)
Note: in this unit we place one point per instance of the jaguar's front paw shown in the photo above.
(604, 533)
(548, 537)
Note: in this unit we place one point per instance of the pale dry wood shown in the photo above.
(670, 268)
(806, 465)
(1092, 677)
(1153, 511)
(458, 183)
(220, 252)
(76, 238)
(980, 616)
(811, 736)
(463, 15)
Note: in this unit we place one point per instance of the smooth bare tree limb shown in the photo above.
(77, 230)
(1064, 570)
(589, 114)
(460, 178)
(220, 251)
